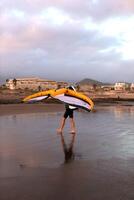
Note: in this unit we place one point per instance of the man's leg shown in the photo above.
(62, 125)
(72, 125)
(63, 121)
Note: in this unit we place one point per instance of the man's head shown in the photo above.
(71, 87)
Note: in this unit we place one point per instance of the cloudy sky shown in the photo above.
(67, 39)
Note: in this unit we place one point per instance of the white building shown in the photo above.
(121, 86)
(132, 87)
(107, 87)
(32, 84)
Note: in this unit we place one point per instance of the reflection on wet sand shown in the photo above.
(68, 149)
(120, 110)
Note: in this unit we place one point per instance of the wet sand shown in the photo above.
(32, 154)
(81, 180)
(11, 109)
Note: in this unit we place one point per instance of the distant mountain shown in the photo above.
(88, 81)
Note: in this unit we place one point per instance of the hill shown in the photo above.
(88, 81)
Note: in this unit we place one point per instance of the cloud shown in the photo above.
(105, 9)
(95, 8)
(86, 38)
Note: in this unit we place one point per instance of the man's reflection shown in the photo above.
(68, 150)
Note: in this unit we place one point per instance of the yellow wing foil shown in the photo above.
(66, 96)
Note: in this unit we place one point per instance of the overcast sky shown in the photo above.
(67, 39)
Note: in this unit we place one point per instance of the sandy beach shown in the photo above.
(32, 154)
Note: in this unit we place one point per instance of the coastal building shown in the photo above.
(62, 84)
(132, 87)
(121, 86)
(10, 84)
(107, 87)
(32, 84)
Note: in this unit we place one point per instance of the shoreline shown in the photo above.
(13, 109)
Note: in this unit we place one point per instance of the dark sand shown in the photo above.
(32, 163)
(79, 180)
(11, 109)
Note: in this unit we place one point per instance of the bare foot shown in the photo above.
(59, 131)
(72, 131)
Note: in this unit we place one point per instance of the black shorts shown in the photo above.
(68, 112)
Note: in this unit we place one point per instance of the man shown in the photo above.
(68, 113)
